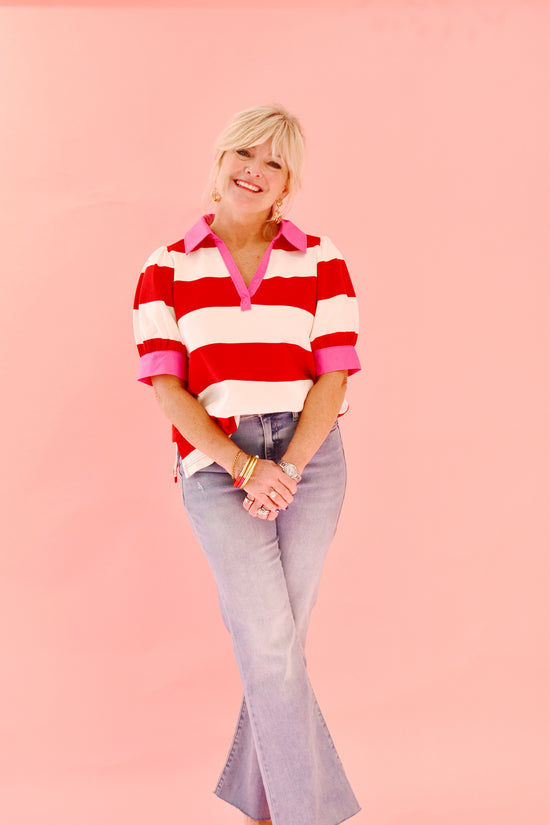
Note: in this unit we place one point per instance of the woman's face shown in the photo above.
(251, 179)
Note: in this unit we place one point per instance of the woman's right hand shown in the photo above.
(269, 488)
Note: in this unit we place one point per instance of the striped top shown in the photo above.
(244, 350)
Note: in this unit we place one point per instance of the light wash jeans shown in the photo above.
(282, 762)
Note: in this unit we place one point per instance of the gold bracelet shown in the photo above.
(239, 480)
(239, 452)
(248, 462)
(250, 471)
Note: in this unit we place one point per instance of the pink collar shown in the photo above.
(201, 230)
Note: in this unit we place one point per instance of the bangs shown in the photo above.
(244, 136)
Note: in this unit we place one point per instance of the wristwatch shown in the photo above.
(290, 470)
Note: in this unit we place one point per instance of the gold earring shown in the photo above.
(215, 195)
(277, 213)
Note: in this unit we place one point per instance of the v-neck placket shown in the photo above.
(201, 232)
(245, 292)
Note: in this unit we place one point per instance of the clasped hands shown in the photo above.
(269, 490)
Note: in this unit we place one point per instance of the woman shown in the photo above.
(246, 329)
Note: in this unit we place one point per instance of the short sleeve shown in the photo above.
(336, 322)
(156, 330)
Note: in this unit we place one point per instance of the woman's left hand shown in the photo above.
(261, 512)
(268, 490)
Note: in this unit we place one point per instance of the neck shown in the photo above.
(241, 230)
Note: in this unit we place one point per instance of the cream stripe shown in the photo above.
(327, 251)
(337, 314)
(155, 320)
(261, 324)
(291, 264)
(227, 398)
(160, 256)
(205, 262)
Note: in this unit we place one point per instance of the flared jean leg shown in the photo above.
(283, 762)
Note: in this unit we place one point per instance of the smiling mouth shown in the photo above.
(249, 186)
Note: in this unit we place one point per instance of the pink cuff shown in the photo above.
(162, 362)
(328, 359)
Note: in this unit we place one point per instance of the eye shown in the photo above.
(275, 165)
(243, 152)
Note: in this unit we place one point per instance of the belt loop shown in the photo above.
(295, 416)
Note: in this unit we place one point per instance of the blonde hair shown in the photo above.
(258, 125)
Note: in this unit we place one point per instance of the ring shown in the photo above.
(263, 511)
(272, 493)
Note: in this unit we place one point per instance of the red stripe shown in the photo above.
(177, 246)
(335, 339)
(283, 243)
(221, 292)
(241, 362)
(280, 243)
(228, 425)
(333, 279)
(160, 344)
(155, 284)
(313, 240)
(287, 246)
(204, 292)
(295, 292)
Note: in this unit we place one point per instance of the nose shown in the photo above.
(253, 168)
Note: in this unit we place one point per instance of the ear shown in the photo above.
(286, 190)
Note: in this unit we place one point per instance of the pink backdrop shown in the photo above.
(428, 165)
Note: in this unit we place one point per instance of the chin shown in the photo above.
(239, 209)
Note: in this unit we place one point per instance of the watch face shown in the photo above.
(290, 469)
